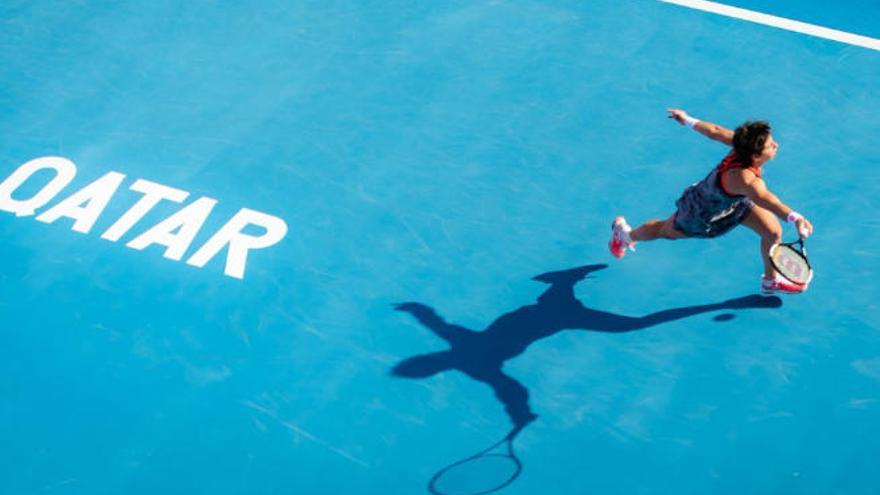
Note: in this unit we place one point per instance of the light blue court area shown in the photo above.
(323, 248)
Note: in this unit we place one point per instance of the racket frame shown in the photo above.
(801, 250)
(511, 455)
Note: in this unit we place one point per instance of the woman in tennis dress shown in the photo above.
(732, 193)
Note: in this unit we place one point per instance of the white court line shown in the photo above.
(780, 22)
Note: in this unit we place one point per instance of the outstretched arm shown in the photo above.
(745, 182)
(708, 129)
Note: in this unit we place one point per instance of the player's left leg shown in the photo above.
(767, 226)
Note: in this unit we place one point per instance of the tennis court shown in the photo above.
(377, 245)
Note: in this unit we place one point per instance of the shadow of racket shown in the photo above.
(487, 471)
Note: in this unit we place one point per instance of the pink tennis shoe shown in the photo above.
(779, 285)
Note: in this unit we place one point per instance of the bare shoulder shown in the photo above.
(743, 181)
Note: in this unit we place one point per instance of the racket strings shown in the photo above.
(791, 264)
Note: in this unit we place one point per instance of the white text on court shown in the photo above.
(176, 232)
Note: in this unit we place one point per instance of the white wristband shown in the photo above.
(690, 121)
(793, 217)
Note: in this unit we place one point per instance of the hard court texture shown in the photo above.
(447, 172)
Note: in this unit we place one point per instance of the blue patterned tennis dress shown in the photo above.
(705, 209)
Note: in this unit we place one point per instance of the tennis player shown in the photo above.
(733, 193)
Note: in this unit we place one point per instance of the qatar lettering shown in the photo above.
(175, 233)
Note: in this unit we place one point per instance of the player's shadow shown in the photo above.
(481, 354)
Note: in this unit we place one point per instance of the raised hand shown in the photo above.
(679, 115)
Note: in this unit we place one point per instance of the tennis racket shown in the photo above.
(790, 260)
(485, 472)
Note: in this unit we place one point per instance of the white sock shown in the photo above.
(624, 233)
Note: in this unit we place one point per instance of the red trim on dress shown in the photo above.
(731, 161)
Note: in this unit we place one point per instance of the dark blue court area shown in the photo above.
(339, 247)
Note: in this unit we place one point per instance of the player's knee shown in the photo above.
(773, 233)
(668, 231)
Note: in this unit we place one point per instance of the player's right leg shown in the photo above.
(657, 229)
(620, 238)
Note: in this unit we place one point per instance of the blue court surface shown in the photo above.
(337, 247)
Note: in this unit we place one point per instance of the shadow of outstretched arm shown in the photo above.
(601, 321)
(753, 301)
(510, 392)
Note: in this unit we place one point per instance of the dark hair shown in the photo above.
(749, 139)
